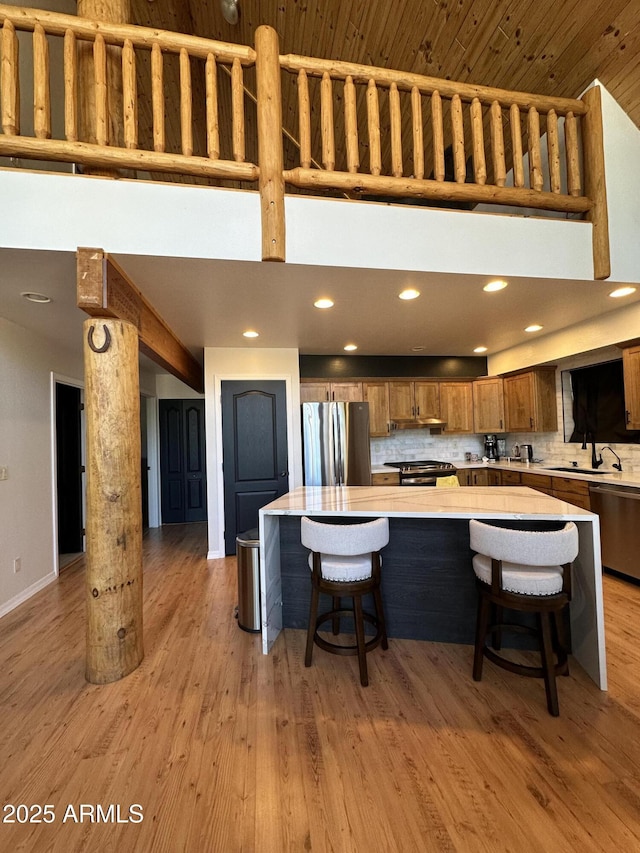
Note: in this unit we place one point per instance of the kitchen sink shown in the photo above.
(580, 470)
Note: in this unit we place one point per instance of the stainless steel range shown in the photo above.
(422, 472)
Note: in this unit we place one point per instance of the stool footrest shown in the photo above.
(336, 648)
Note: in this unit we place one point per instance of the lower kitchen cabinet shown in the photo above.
(386, 479)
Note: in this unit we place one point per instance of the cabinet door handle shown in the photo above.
(531, 421)
(627, 416)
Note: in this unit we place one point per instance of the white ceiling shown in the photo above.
(210, 303)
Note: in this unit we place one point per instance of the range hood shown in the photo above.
(417, 423)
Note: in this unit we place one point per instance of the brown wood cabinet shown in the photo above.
(488, 405)
(318, 391)
(456, 406)
(575, 492)
(478, 477)
(376, 394)
(387, 479)
(567, 489)
(510, 478)
(631, 367)
(530, 401)
(419, 399)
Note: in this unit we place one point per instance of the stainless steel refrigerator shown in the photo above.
(335, 438)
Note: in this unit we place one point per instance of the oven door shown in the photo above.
(418, 480)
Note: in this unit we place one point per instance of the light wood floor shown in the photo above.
(227, 750)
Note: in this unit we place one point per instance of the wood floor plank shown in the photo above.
(229, 750)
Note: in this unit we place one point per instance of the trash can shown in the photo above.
(248, 557)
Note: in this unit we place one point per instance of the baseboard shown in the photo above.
(215, 555)
(26, 594)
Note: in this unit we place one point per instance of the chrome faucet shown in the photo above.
(618, 465)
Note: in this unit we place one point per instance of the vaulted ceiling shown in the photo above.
(554, 47)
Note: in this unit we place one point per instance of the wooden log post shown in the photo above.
(114, 508)
(270, 155)
(594, 181)
(101, 112)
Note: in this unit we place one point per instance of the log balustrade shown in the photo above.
(469, 144)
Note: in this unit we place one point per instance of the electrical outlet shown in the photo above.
(17, 565)
(4, 472)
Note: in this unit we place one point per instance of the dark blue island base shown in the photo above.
(428, 584)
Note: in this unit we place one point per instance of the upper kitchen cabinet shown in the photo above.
(456, 406)
(631, 368)
(414, 400)
(488, 405)
(427, 397)
(376, 394)
(530, 401)
(321, 392)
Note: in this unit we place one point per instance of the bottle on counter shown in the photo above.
(516, 451)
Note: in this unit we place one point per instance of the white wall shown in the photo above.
(622, 162)
(229, 364)
(26, 497)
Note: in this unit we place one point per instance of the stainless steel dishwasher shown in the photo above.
(619, 511)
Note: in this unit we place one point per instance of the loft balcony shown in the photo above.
(123, 100)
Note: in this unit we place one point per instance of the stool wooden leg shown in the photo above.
(482, 626)
(335, 622)
(311, 630)
(377, 600)
(546, 650)
(362, 654)
(560, 635)
(496, 635)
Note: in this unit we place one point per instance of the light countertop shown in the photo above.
(518, 502)
(609, 476)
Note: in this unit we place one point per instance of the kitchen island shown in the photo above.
(428, 583)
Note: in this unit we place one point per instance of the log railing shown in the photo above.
(140, 49)
(494, 138)
(469, 144)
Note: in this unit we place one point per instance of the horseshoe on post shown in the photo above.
(107, 340)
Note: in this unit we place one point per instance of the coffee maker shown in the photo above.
(491, 447)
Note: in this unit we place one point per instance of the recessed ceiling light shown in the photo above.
(622, 291)
(417, 349)
(409, 293)
(350, 347)
(498, 284)
(250, 334)
(534, 327)
(480, 349)
(323, 303)
(36, 297)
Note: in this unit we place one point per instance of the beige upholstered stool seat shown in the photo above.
(345, 561)
(528, 571)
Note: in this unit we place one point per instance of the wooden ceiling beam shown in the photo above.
(104, 290)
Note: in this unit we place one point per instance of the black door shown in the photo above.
(254, 451)
(183, 487)
(69, 469)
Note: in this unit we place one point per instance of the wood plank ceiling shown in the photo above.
(554, 47)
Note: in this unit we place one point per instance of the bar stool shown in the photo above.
(529, 571)
(345, 561)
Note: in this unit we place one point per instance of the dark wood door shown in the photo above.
(69, 469)
(254, 450)
(183, 486)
